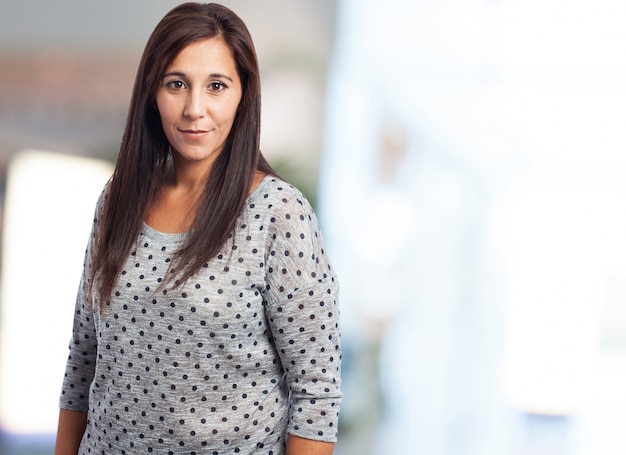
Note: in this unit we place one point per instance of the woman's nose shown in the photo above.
(194, 106)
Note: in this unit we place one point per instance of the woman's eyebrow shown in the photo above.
(220, 76)
(174, 73)
(211, 76)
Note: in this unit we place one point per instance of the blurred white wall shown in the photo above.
(472, 195)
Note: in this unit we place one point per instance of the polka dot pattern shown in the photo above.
(245, 352)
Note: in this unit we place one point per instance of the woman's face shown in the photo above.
(198, 99)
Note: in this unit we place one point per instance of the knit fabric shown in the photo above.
(245, 352)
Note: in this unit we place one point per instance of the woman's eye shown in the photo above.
(217, 86)
(176, 84)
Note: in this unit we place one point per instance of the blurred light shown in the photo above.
(50, 201)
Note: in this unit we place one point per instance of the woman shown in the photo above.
(207, 318)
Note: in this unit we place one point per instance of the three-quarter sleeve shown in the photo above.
(302, 309)
(83, 346)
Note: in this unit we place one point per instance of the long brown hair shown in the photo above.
(143, 163)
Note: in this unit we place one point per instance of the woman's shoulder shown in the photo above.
(104, 193)
(281, 203)
(273, 189)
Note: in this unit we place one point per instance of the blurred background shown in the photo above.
(466, 160)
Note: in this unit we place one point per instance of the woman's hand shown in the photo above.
(70, 432)
(300, 446)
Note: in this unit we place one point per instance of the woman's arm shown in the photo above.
(70, 431)
(300, 446)
(303, 315)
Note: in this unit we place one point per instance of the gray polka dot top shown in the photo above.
(246, 352)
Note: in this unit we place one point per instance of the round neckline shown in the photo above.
(168, 237)
(175, 237)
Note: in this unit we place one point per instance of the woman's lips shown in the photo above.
(194, 135)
